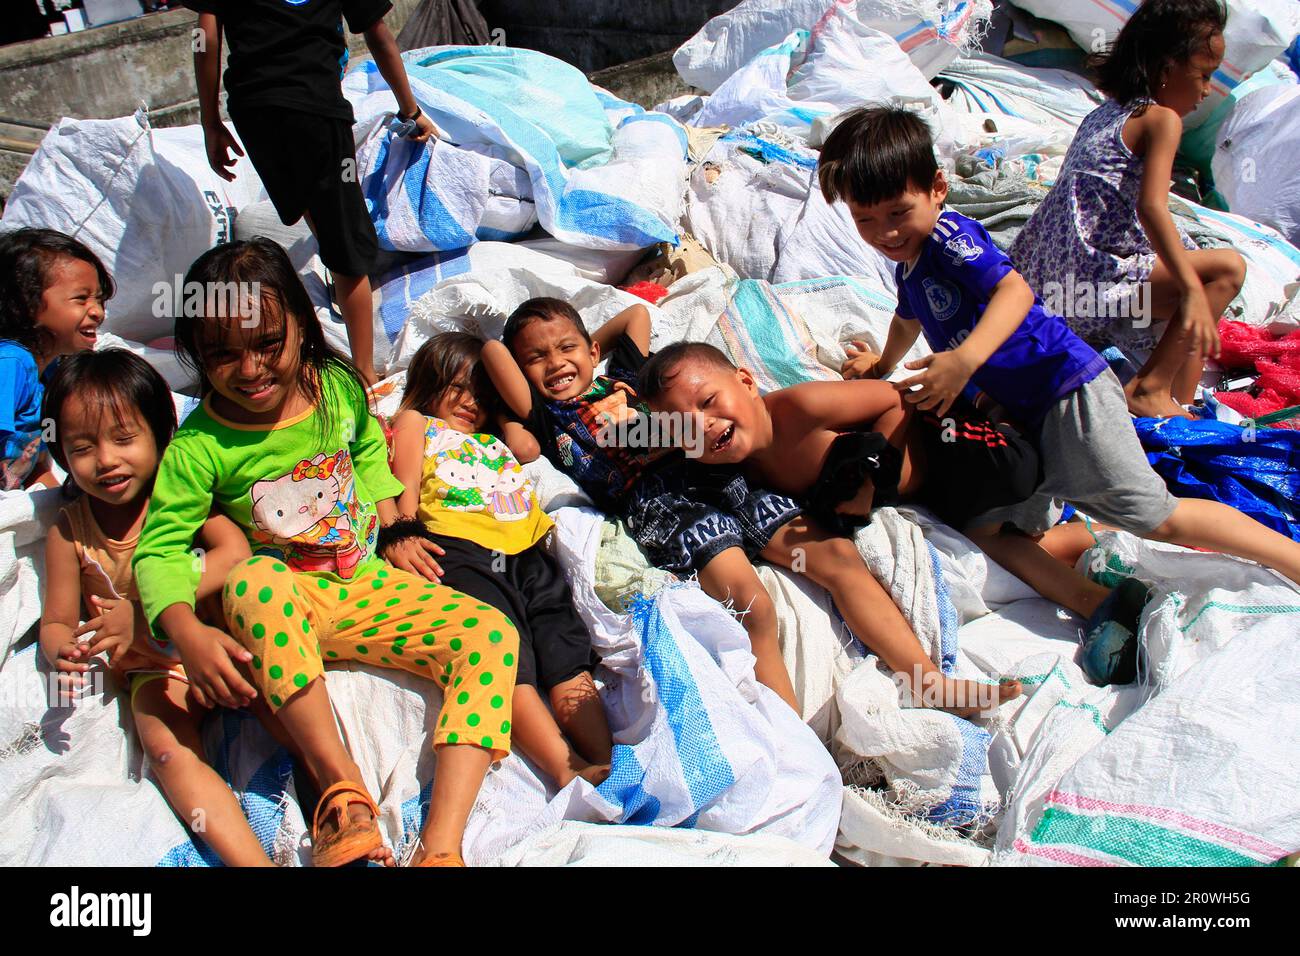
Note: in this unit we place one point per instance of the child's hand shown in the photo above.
(114, 626)
(1200, 327)
(861, 361)
(945, 375)
(209, 657)
(424, 128)
(70, 664)
(218, 141)
(416, 555)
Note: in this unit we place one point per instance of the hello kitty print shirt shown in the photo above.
(304, 492)
(472, 487)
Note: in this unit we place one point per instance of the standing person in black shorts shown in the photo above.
(287, 59)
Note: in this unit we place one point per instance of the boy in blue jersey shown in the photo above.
(990, 333)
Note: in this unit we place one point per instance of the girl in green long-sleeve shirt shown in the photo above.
(285, 445)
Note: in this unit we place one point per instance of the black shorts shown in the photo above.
(308, 165)
(530, 589)
(685, 514)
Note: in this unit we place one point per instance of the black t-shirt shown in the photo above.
(290, 53)
(568, 432)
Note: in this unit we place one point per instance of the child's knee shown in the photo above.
(1230, 271)
(258, 580)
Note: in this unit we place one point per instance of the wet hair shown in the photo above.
(27, 257)
(437, 367)
(1159, 33)
(875, 154)
(117, 381)
(541, 309)
(656, 375)
(261, 264)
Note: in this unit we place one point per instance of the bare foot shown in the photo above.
(422, 857)
(1152, 402)
(965, 698)
(358, 813)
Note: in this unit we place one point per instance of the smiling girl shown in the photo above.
(113, 417)
(52, 293)
(1105, 227)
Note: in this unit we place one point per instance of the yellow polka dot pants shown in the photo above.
(293, 622)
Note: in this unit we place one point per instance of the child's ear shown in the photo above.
(748, 381)
(939, 190)
(595, 353)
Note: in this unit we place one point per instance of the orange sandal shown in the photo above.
(353, 839)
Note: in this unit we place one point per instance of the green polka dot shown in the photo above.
(306, 626)
(486, 742)
(495, 637)
(343, 594)
(485, 678)
(275, 699)
(331, 653)
(299, 680)
(397, 649)
(392, 602)
(257, 662)
(462, 697)
(508, 659)
(376, 584)
(431, 584)
(362, 649)
(385, 660)
(414, 611)
(383, 574)
(276, 672)
(450, 607)
(471, 622)
(443, 678)
(322, 583)
(370, 632)
(443, 722)
(344, 625)
(472, 720)
(453, 737)
(239, 619)
(281, 639)
(302, 652)
(399, 641)
(405, 627)
(265, 595)
(439, 623)
(404, 584)
(455, 643)
(241, 588)
(420, 662)
(458, 595)
(505, 726)
(288, 609)
(447, 669)
(475, 657)
(253, 561)
(425, 597)
(457, 683)
(380, 618)
(497, 701)
(278, 567)
(364, 603)
(428, 638)
(482, 607)
(259, 630)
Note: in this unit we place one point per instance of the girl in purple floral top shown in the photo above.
(1102, 249)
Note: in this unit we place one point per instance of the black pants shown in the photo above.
(529, 588)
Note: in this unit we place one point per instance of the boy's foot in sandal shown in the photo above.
(345, 828)
(1110, 643)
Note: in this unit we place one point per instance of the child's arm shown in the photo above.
(408, 459)
(207, 72)
(1159, 133)
(507, 378)
(224, 546)
(522, 443)
(871, 405)
(62, 611)
(388, 58)
(634, 320)
(946, 373)
(902, 335)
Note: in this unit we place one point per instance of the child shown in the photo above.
(697, 518)
(470, 493)
(283, 95)
(988, 329)
(285, 445)
(1105, 226)
(52, 293)
(113, 417)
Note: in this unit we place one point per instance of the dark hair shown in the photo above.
(541, 309)
(259, 263)
(655, 375)
(1159, 32)
(874, 154)
(26, 258)
(437, 366)
(117, 381)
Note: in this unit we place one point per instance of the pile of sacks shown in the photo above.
(524, 198)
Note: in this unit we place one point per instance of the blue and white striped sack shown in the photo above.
(534, 141)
